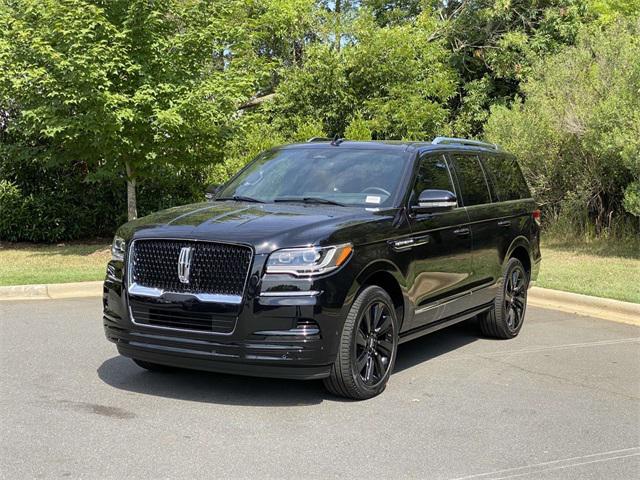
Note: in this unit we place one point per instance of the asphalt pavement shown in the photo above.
(560, 401)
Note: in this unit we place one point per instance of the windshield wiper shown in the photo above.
(324, 201)
(241, 198)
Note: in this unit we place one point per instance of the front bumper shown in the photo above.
(283, 336)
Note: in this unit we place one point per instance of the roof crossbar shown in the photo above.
(463, 141)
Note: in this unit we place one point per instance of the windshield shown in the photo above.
(367, 178)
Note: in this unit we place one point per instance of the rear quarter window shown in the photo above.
(506, 177)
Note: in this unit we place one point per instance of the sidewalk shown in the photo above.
(51, 291)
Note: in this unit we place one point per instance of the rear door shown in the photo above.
(483, 217)
(513, 212)
(441, 247)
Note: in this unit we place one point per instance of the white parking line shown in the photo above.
(556, 464)
(566, 346)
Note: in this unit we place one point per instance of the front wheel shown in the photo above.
(368, 347)
(506, 317)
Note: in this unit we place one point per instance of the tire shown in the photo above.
(506, 317)
(368, 347)
(154, 367)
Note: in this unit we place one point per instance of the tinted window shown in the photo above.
(433, 174)
(361, 177)
(506, 177)
(473, 185)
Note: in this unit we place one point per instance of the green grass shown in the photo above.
(22, 264)
(601, 268)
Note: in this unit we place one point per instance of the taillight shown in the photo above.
(536, 216)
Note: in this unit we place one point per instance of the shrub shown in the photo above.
(52, 204)
(10, 210)
(576, 133)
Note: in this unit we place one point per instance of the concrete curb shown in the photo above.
(51, 291)
(605, 308)
(615, 310)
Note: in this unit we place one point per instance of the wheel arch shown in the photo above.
(520, 248)
(387, 276)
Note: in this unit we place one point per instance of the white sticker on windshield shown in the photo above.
(372, 199)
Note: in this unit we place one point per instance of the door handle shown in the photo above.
(407, 243)
(462, 232)
(504, 223)
(399, 245)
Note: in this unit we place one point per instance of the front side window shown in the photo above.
(433, 174)
(471, 178)
(355, 177)
(506, 177)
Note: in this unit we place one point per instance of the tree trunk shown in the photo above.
(132, 208)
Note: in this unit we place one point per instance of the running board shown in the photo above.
(443, 323)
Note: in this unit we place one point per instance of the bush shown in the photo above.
(577, 132)
(52, 204)
(10, 210)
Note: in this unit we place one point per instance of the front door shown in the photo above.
(441, 250)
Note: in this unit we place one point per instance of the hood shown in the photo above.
(266, 227)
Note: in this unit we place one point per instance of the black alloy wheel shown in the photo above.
(515, 297)
(374, 343)
(368, 347)
(506, 317)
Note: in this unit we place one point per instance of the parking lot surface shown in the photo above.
(560, 401)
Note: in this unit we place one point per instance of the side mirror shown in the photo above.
(211, 191)
(431, 201)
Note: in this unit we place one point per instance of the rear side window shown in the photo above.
(506, 177)
(473, 184)
(433, 173)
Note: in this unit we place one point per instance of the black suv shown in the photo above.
(316, 260)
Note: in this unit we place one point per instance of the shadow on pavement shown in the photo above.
(195, 386)
(435, 344)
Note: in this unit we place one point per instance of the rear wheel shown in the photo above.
(506, 317)
(368, 347)
(154, 367)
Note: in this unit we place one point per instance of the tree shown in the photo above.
(127, 85)
(576, 132)
(394, 78)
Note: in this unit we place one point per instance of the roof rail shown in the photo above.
(319, 139)
(463, 141)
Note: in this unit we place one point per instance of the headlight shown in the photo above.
(117, 248)
(308, 261)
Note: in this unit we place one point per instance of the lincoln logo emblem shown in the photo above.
(184, 264)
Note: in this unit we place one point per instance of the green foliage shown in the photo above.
(168, 95)
(10, 210)
(397, 77)
(126, 85)
(608, 11)
(50, 204)
(358, 129)
(631, 200)
(577, 132)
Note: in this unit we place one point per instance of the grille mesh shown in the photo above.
(216, 268)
